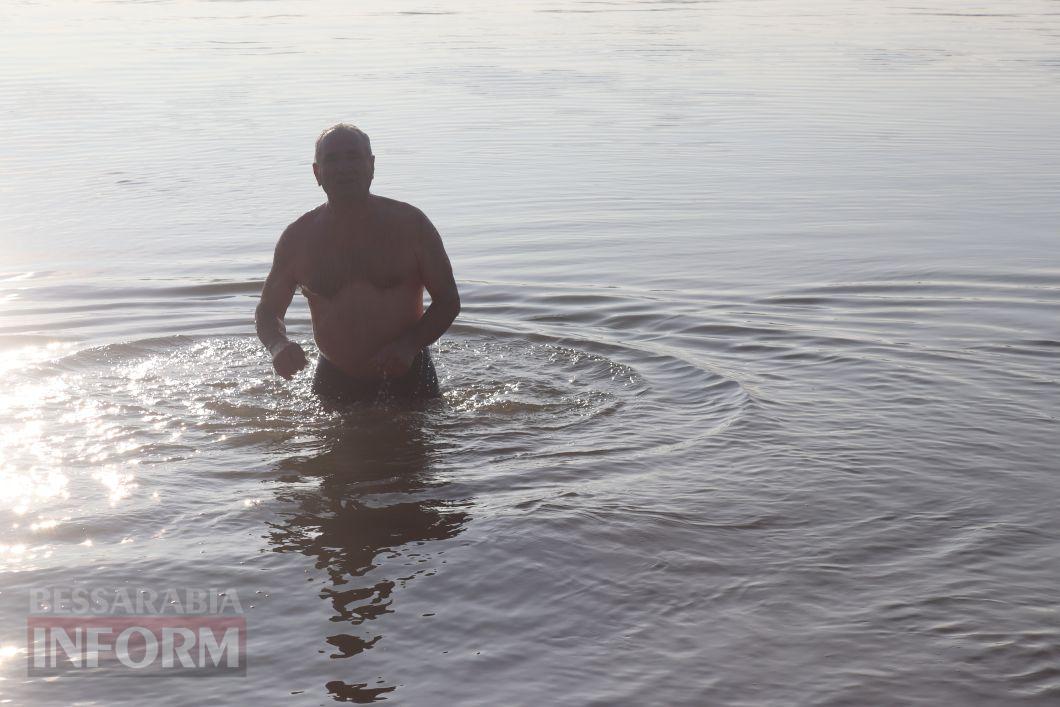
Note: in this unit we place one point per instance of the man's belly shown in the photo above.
(360, 319)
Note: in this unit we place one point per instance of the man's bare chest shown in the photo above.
(335, 258)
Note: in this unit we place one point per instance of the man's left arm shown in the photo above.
(436, 273)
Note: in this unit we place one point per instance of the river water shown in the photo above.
(753, 399)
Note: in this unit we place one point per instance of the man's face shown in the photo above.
(345, 166)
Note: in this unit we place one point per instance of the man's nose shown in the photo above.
(351, 163)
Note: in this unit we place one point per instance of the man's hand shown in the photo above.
(288, 359)
(395, 358)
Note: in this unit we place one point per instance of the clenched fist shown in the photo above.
(395, 358)
(287, 359)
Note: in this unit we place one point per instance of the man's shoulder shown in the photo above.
(302, 226)
(396, 211)
(307, 220)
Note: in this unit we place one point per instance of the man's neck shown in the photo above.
(348, 208)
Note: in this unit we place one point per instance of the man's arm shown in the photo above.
(287, 356)
(437, 274)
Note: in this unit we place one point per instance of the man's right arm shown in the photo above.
(287, 356)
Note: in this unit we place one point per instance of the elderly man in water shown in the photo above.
(362, 261)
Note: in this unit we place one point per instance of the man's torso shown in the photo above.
(362, 280)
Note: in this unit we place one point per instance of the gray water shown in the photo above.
(753, 398)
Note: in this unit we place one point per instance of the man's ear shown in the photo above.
(316, 173)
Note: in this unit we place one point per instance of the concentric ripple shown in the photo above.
(128, 407)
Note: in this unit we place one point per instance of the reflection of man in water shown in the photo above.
(371, 523)
(363, 262)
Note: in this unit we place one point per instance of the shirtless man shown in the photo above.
(363, 262)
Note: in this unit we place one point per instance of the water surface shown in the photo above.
(753, 399)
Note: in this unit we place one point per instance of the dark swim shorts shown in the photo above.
(420, 382)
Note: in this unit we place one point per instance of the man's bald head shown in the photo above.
(346, 130)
